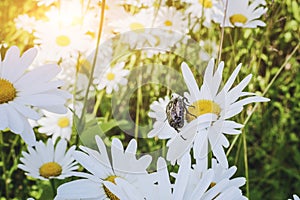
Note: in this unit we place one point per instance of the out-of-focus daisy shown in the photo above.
(113, 76)
(18, 94)
(25, 22)
(161, 127)
(57, 125)
(242, 13)
(61, 42)
(75, 13)
(46, 161)
(209, 10)
(210, 98)
(114, 11)
(124, 165)
(171, 19)
(135, 30)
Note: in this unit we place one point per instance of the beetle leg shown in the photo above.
(187, 112)
(182, 137)
(187, 103)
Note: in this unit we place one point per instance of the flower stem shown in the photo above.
(81, 119)
(138, 104)
(5, 177)
(222, 34)
(98, 102)
(246, 164)
(52, 182)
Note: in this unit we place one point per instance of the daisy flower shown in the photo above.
(161, 127)
(46, 161)
(57, 125)
(26, 23)
(124, 166)
(112, 78)
(190, 183)
(169, 18)
(114, 11)
(210, 98)
(18, 94)
(135, 29)
(241, 13)
(163, 130)
(61, 41)
(210, 10)
(212, 183)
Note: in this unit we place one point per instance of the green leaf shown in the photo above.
(106, 126)
(296, 11)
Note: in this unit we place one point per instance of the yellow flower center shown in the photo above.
(238, 18)
(63, 40)
(137, 27)
(202, 107)
(63, 122)
(109, 194)
(168, 23)
(50, 169)
(206, 3)
(7, 91)
(110, 76)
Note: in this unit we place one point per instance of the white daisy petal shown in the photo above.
(190, 81)
(24, 89)
(105, 176)
(75, 190)
(3, 117)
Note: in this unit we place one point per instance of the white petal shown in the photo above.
(25, 111)
(218, 151)
(38, 75)
(80, 189)
(203, 185)
(15, 120)
(182, 178)
(28, 135)
(232, 78)
(190, 81)
(199, 144)
(183, 141)
(90, 163)
(3, 117)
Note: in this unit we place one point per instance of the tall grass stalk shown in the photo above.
(81, 119)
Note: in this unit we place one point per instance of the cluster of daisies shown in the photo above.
(125, 176)
(67, 34)
(33, 95)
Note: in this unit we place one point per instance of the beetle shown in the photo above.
(176, 110)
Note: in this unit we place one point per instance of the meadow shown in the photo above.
(81, 68)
